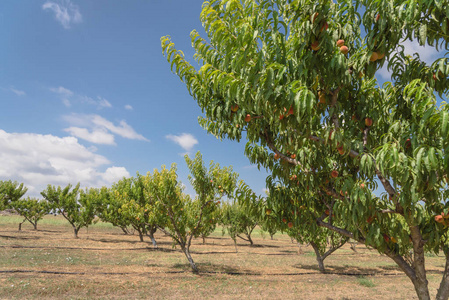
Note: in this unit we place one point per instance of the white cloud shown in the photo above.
(96, 136)
(114, 174)
(38, 160)
(17, 92)
(65, 12)
(67, 97)
(185, 140)
(128, 107)
(102, 130)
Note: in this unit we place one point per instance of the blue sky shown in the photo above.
(88, 97)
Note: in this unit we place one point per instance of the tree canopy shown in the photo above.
(296, 80)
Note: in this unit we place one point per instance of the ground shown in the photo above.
(104, 263)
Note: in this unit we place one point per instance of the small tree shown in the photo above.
(130, 195)
(109, 210)
(31, 209)
(10, 191)
(211, 185)
(239, 222)
(75, 205)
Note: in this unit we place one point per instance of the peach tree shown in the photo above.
(188, 218)
(31, 209)
(10, 191)
(296, 80)
(77, 206)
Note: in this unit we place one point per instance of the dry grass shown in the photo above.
(104, 263)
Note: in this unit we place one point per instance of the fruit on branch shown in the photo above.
(380, 56)
(334, 173)
(281, 116)
(276, 156)
(315, 46)
(322, 97)
(408, 143)
(324, 27)
(362, 185)
(377, 17)
(284, 220)
(293, 156)
(368, 122)
(293, 177)
(234, 108)
(344, 50)
(290, 111)
(340, 43)
(268, 212)
(290, 224)
(248, 118)
(374, 56)
(386, 238)
(370, 219)
(439, 219)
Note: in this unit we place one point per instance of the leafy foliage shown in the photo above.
(313, 113)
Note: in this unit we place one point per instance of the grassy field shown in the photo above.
(104, 263)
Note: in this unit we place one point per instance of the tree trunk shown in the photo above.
(420, 282)
(151, 235)
(189, 258)
(124, 230)
(140, 235)
(299, 248)
(75, 231)
(35, 226)
(204, 240)
(20, 224)
(319, 258)
(443, 291)
(235, 245)
(272, 235)
(250, 240)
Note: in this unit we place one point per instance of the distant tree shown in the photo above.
(32, 209)
(131, 201)
(75, 205)
(109, 210)
(211, 186)
(239, 222)
(10, 191)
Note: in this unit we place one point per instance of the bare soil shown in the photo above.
(103, 263)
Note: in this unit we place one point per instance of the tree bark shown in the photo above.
(140, 235)
(190, 259)
(204, 240)
(75, 232)
(319, 258)
(443, 291)
(420, 283)
(151, 235)
(250, 240)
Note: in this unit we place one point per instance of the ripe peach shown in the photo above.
(284, 220)
(290, 111)
(362, 185)
(281, 116)
(377, 17)
(324, 27)
(340, 43)
(374, 56)
(315, 46)
(276, 156)
(293, 156)
(380, 55)
(344, 50)
(234, 108)
(248, 118)
(290, 224)
(368, 122)
(439, 219)
(268, 212)
(334, 173)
